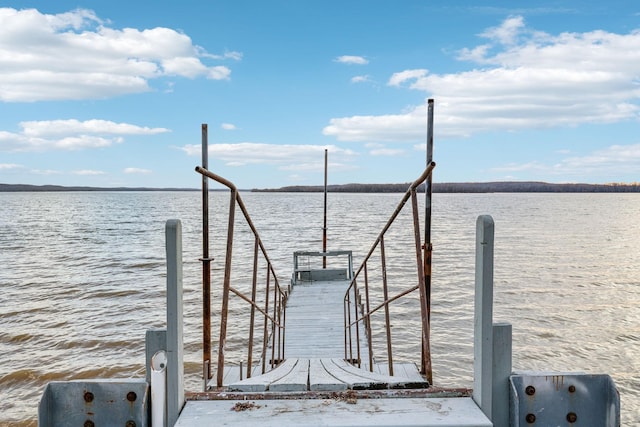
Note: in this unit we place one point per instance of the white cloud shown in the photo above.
(286, 157)
(360, 79)
(71, 134)
(47, 128)
(350, 59)
(387, 152)
(610, 161)
(237, 56)
(9, 166)
(88, 172)
(398, 78)
(406, 126)
(507, 32)
(528, 80)
(228, 126)
(75, 55)
(137, 171)
(46, 172)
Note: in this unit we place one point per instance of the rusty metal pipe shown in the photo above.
(254, 285)
(265, 337)
(206, 265)
(273, 330)
(349, 329)
(425, 359)
(225, 290)
(368, 318)
(427, 370)
(324, 224)
(387, 319)
(357, 309)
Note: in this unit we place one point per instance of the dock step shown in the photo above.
(327, 374)
(440, 412)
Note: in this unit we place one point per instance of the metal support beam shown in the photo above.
(483, 315)
(175, 365)
(502, 349)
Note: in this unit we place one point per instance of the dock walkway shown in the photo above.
(314, 349)
(316, 386)
(315, 320)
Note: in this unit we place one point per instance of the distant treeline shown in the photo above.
(467, 187)
(43, 188)
(438, 187)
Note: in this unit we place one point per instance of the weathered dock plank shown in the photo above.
(315, 320)
(376, 380)
(429, 412)
(321, 375)
(262, 382)
(296, 380)
(406, 370)
(321, 380)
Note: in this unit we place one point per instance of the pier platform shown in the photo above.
(315, 385)
(335, 411)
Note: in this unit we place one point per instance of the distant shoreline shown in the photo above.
(469, 187)
(15, 188)
(463, 187)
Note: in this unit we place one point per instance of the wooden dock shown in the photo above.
(315, 320)
(335, 412)
(315, 385)
(314, 350)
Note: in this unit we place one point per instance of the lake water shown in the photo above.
(82, 277)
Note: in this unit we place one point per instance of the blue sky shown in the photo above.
(105, 93)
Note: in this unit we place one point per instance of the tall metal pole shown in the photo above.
(324, 226)
(428, 248)
(206, 265)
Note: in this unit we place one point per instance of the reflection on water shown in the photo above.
(82, 279)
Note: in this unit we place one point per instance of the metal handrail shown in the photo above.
(353, 294)
(273, 314)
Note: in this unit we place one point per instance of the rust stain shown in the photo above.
(245, 406)
(223, 394)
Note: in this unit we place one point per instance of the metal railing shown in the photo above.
(354, 293)
(273, 313)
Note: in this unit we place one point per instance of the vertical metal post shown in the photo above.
(284, 323)
(273, 328)
(175, 364)
(428, 248)
(385, 293)
(324, 226)
(206, 265)
(265, 334)
(357, 305)
(225, 289)
(254, 287)
(368, 321)
(425, 362)
(483, 316)
(502, 349)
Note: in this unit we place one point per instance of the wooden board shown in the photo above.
(406, 370)
(262, 382)
(321, 380)
(427, 412)
(296, 380)
(331, 374)
(315, 321)
(371, 379)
